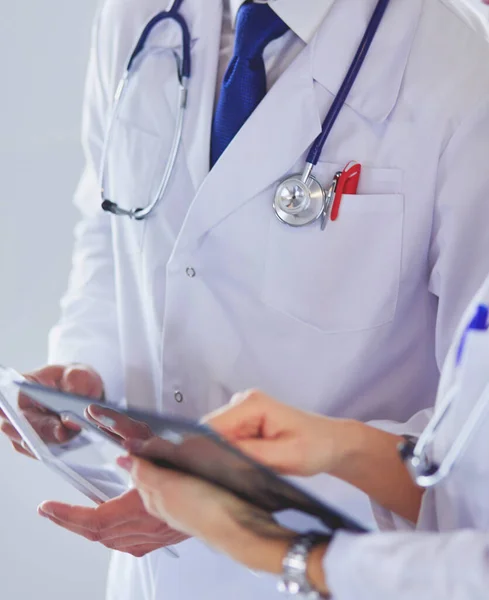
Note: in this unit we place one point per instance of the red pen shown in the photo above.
(347, 184)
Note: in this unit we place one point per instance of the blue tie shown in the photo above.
(245, 81)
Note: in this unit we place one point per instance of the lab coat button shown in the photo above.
(190, 272)
(178, 397)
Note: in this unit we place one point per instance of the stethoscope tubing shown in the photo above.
(184, 74)
(424, 471)
(184, 69)
(347, 85)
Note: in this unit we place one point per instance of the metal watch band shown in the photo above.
(294, 580)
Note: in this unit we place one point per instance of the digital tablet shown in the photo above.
(195, 449)
(97, 482)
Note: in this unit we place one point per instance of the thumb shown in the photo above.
(83, 381)
(243, 418)
(148, 475)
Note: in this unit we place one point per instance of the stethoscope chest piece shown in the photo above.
(299, 201)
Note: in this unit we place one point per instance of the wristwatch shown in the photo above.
(294, 580)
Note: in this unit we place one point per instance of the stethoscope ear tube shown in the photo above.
(183, 67)
(174, 15)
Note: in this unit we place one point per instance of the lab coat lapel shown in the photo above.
(280, 130)
(204, 20)
(205, 23)
(288, 120)
(377, 87)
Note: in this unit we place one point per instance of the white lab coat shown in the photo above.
(353, 321)
(453, 565)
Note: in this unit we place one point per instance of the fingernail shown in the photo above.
(106, 422)
(125, 462)
(42, 512)
(95, 410)
(60, 434)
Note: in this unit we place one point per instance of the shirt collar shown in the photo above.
(302, 16)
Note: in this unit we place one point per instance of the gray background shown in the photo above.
(44, 52)
(44, 49)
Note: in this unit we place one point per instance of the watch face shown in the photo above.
(293, 588)
(289, 587)
(294, 581)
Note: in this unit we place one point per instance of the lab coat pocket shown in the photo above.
(345, 278)
(132, 173)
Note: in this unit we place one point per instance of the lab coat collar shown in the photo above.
(266, 147)
(280, 132)
(204, 20)
(377, 88)
(304, 17)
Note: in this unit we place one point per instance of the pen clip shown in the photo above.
(329, 200)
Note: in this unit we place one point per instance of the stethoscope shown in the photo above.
(300, 199)
(183, 68)
(416, 453)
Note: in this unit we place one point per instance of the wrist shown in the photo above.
(350, 443)
(315, 568)
(303, 575)
(262, 554)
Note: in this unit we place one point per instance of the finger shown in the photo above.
(104, 423)
(9, 430)
(150, 477)
(48, 427)
(21, 448)
(276, 454)
(25, 403)
(105, 429)
(114, 513)
(75, 518)
(92, 536)
(119, 424)
(45, 423)
(80, 380)
(140, 551)
(134, 532)
(127, 544)
(47, 376)
(70, 425)
(137, 545)
(243, 418)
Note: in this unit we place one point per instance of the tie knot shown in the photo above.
(256, 26)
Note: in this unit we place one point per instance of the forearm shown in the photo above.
(370, 462)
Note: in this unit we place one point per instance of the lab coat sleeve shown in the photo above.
(87, 330)
(425, 566)
(459, 253)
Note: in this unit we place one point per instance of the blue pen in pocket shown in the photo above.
(480, 322)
